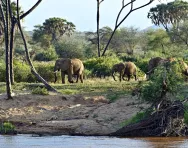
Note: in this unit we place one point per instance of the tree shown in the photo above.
(128, 39)
(9, 21)
(170, 14)
(119, 22)
(180, 35)
(51, 30)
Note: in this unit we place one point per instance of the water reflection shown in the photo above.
(27, 141)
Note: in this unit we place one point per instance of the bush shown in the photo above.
(137, 118)
(47, 55)
(7, 128)
(68, 48)
(153, 89)
(45, 69)
(102, 65)
(2, 71)
(21, 71)
(40, 91)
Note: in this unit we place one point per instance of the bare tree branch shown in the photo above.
(30, 10)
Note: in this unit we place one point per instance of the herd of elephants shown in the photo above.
(75, 67)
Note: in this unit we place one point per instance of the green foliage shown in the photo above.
(52, 29)
(45, 69)
(103, 65)
(70, 48)
(137, 118)
(142, 64)
(47, 55)
(170, 73)
(186, 117)
(40, 91)
(7, 128)
(2, 71)
(21, 71)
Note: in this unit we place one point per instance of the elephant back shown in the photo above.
(154, 62)
(130, 68)
(77, 66)
(118, 67)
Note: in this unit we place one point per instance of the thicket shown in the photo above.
(166, 78)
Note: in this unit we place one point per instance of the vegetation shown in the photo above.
(40, 91)
(7, 128)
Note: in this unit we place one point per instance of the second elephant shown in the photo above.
(130, 69)
(70, 67)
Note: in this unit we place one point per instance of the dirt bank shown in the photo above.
(71, 115)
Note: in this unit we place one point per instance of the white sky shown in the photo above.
(83, 13)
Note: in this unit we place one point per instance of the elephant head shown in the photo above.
(66, 67)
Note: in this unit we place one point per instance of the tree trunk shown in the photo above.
(12, 34)
(33, 71)
(5, 19)
(98, 37)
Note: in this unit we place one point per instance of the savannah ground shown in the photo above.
(97, 107)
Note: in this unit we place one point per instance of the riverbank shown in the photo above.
(68, 115)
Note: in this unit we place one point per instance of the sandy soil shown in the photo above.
(71, 115)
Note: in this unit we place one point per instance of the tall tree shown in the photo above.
(52, 29)
(170, 14)
(119, 22)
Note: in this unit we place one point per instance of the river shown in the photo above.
(29, 141)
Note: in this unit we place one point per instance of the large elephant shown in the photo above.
(130, 69)
(70, 67)
(120, 67)
(154, 62)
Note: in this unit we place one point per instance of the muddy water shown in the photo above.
(29, 141)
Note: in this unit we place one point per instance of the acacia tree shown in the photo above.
(171, 16)
(119, 22)
(51, 30)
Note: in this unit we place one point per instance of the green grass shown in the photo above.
(107, 87)
(135, 119)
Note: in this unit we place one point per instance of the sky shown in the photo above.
(83, 13)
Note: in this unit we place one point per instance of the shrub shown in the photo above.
(68, 48)
(45, 69)
(102, 65)
(2, 71)
(7, 128)
(21, 71)
(137, 118)
(47, 55)
(40, 91)
(172, 75)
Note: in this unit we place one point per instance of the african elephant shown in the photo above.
(120, 67)
(130, 69)
(70, 67)
(154, 62)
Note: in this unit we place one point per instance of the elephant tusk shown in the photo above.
(56, 71)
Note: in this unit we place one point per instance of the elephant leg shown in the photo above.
(120, 76)
(129, 77)
(135, 77)
(113, 76)
(77, 76)
(81, 78)
(63, 77)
